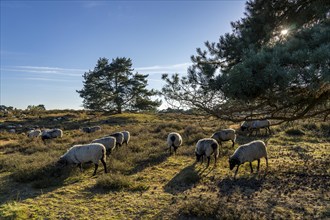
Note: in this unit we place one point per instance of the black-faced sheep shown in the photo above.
(247, 153)
(174, 140)
(91, 129)
(79, 154)
(256, 125)
(207, 147)
(108, 142)
(225, 135)
(50, 134)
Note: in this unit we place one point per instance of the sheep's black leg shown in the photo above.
(104, 165)
(202, 159)
(80, 166)
(175, 148)
(233, 143)
(170, 150)
(266, 163)
(96, 166)
(236, 171)
(208, 162)
(215, 160)
(258, 165)
(251, 167)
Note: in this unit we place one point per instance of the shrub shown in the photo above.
(118, 182)
(294, 131)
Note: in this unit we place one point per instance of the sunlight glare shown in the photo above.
(284, 32)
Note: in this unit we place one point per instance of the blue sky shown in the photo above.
(46, 46)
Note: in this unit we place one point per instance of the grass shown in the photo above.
(144, 181)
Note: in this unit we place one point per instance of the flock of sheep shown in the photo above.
(100, 148)
(249, 152)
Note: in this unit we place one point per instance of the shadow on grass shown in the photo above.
(152, 160)
(27, 184)
(246, 185)
(184, 180)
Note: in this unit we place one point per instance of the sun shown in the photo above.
(284, 32)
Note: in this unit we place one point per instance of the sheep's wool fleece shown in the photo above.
(119, 137)
(108, 142)
(126, 136)
(225, 135)
(250, 151)
(177, 141)
(85, 153)
(203, 147)
(260, 124)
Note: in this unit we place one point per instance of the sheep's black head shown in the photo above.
(198, 157)
(233, 162)
(243, 128)
(62, 162)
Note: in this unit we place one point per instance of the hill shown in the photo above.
(146, 182)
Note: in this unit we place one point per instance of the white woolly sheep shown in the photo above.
(256, 125)
(174, 140)
(34, 133)
(119, 138)
(79, 154)
(225, 135)
(249, 152)
(53, 133)
(127, 137)
(108, 142)
(207, 147)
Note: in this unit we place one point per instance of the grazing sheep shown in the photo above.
(34, 133)
(95, 128)
(256, 125)
(119, 138)
(174, 140)
(225, 135)
(91, 129)
(108, 142)
(247, 153)
(79, 154)
(53, 133)
(127, 137)
(207, 147)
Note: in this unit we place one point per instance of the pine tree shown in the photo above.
(114, 87)
(261, 71)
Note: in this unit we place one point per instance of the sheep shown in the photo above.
(91, 129)
(79, 154)
(207, 147)
(127, 137)
(53, 133)
(174, 140)
(34, 133)
(247, 153)
(108, 142)
(256, 125)
(95, 128)
(119, 138)
(225, 135)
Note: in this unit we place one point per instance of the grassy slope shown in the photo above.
(155, 185)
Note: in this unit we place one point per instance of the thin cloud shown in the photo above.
(45, 70)
(176, 68)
